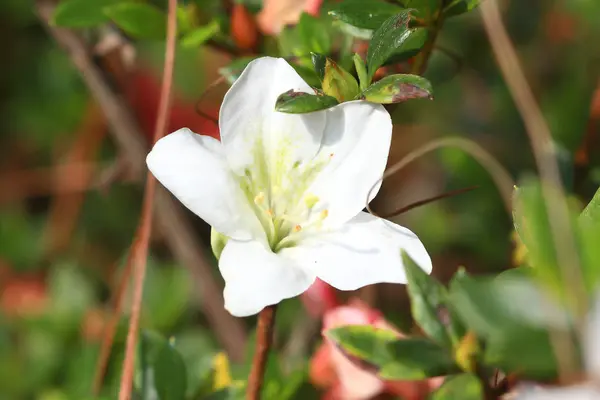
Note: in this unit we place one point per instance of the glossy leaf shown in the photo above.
(459, 387)
(392, 358)
(139, 20)
(361, 71)
(457, 7)
(319, 61)
(338, 83)
(81, 13)
(170, 376)
(397, 89)
(299, 103)
(363, 14)
(428, 298)
(232, 71)
(198, 36)
(313, 34)
(393, 38)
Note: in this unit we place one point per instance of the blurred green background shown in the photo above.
(64, 236)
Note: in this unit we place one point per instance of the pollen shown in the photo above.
(324, 214)
(330, 155)
(297, 228)
(270, 212)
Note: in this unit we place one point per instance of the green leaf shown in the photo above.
(392, 358)
(363, 14)
(589, 232)
(393, 38)
(397, 89)
(170, 376)
(527, 352)
(494, 306)
(361, 71)
(319, 61)
(427, 299)
(533, 227)
(292, 102)
(459, 387)
(232, 71)
(139, 20)
(338, 83)
(198, 36)
(313, 34)
(81, 13)
(458, 7)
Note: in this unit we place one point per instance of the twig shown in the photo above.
(552, 187)
(264, 339)
(141, 243)
(178, 232)
(210, 87)
(428, 200)
(501, 177)
(422, 59)
(111, 328)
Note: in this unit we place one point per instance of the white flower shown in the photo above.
(587, 390)
(288, 191)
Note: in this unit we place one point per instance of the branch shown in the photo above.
(178, 232)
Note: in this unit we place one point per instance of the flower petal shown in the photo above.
(355, 382)
(255, 277)
(250, 126)
(357, 139)
(193, 168)
(364, 251)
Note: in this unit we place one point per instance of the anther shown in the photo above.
(324, 214)
(297, 228)
(259, 199)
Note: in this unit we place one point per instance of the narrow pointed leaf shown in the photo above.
(314, 34)
(339, 83)
(364, 14)
(589, 232)
(299, 103)
(428, 299)
(361, 71)
(392, 38)
(397, 89)
(198, 36)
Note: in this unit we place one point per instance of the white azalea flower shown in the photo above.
(587, 390)
(288, 191)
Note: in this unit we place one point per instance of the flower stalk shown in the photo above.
(264, 340)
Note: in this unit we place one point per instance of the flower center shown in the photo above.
(277, 190)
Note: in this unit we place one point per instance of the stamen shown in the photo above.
(259, 199)
(310, 201)
(297, 228)
(324, 214)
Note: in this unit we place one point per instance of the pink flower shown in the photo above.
(319, 298)
(276, 14)
(331, 369)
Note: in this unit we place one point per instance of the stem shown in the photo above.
(264, 339)
(422, 59)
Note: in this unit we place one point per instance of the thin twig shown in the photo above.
(172, 221)
(552, 187)
(264, 339)
(428, 200)
(141, 243)
(501, 177)
(210, 87)
(111, 328)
